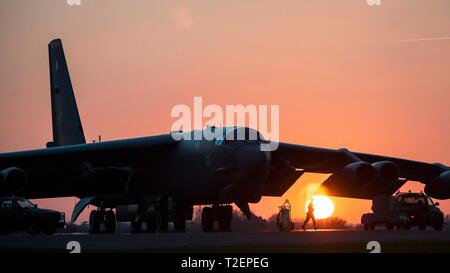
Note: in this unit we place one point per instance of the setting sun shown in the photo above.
(323, 206)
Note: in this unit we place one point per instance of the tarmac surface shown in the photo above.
(296, 241)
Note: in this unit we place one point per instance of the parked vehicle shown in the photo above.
(404, 210)
(18, 213)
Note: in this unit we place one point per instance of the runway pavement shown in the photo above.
(297, 241)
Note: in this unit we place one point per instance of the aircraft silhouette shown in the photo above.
(157, 179)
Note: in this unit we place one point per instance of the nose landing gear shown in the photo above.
(165, 210)
(99, 217)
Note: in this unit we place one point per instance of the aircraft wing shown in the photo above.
(86, 169)
(356, 175)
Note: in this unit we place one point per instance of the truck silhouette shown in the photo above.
(18, 213)
(403, 211)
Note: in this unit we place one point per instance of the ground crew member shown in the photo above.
(310, 215)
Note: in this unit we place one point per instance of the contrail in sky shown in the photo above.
(408, 40)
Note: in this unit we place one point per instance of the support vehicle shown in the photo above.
(404, 210)
(17, 213)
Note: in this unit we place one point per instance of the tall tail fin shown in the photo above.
(67, 128)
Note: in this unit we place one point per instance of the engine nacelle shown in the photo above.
(357, 172)
(387, 172)
(14, 180)
(364, 180)
(439, 187)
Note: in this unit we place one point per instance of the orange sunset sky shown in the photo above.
(341, 71)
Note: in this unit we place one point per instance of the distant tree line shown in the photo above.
(241, 223)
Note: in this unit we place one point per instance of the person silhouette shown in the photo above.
(310, 215)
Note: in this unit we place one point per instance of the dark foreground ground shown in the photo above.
(239, 242)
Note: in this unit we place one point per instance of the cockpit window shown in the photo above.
(239, 135)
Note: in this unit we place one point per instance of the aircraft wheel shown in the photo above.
(110, 221)
(180, 218)
(225, 214)
(162, 212)
(163, 220)
(152, 222)
(94, 222)
(207, 219)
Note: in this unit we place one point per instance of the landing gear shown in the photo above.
(223, 214)
(152, 222)
(98, 217)
(164, 211)
(207, 219)
(179, 221)
(163, 218)
(110, 221)
(94, 222)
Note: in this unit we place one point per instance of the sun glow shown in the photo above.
(323, 206)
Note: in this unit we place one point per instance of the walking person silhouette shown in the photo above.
(310, 215)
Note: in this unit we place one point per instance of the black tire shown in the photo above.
(33, 228)
(50, 230)
(207, 219)
(422, 223)
(439, 225)
(136, 227)
(94, 222)
(152, 223)
(421, 219)
(179, 223)
(225, 214)
(110, 221)
(163, 220)
(372, 226)
(162, 211)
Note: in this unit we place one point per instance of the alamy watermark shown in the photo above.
(223, 123)
(373, 2)
(73, 2)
